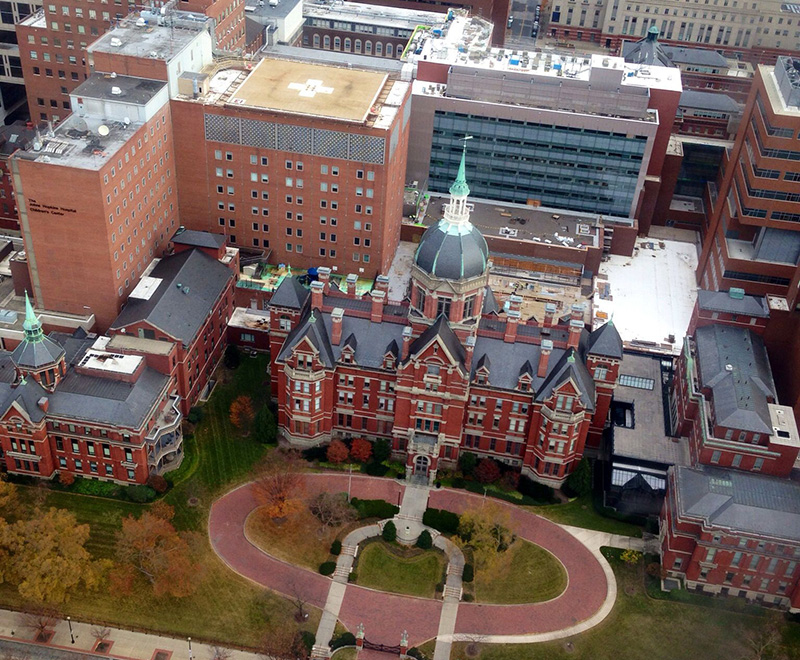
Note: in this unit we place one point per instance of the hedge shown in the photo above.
(425, 542)
(441, 520)
(345, 639)
(469, 573)
(376, 469)
(327, 567)
(140, 494)
(336, 547)
(374, 508)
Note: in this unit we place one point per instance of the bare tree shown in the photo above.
(298, 597)
(278, 483)
(101, 633)
(765, 641)
(40, 621)
(331, 509)
(474, 641)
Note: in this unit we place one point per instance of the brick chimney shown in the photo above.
(378, 300)
(317, 289)
(512, 320)
(470, 346)
(544, 357)
(549, 313)
(336, 326)
(43, 403)
(575, 329)
(406, 343)
(351, 280)
(514, 303)
(324, 276)
(382, 284)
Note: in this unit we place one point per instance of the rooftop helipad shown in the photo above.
(302, 87)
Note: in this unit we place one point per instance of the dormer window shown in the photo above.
(481, 379)
(524, 384)
(388, 361)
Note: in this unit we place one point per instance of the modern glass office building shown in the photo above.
(525, 162)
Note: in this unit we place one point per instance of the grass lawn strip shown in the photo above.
(525, 573)
(295, 540)
(380, 568)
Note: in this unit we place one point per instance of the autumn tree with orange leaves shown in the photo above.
(361, 450)
(241, 413)
(150, 546)
(278, 483)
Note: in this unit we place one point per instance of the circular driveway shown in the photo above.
(586, 600)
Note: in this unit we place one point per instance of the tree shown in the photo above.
(389, 532)
(331, 509)
(241, 413)
(425, 542)
(381, 450)
(265, 428)
(40, 620)
(580, 481)
(487, 471)
(764, 641)
(467, 462)
(630, 556)
(485, 530)
(279, 483)
(46, 558)
(66, 478)
(298, 597)
(361, 450)
(158, 483)
(220, 653)
(337, 452)
(232, 357)
(474, 642)
(152, 546)
(8, 495)
(283, 642)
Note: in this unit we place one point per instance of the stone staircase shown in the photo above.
(452, 593)
(349, 550)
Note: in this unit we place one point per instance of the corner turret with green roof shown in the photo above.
(460, 187)
(37, 353)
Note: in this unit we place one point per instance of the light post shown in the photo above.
(71, 635)
(190, 648)
(349, 481)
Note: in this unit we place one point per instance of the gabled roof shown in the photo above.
(647, 51)
(290, 294)
(311, 328)
(605, 341)
(715, 101)
(569, 368)
(190, 284)
(740, 501)
(526, 368)
(351, 342)
(484, 363)
(734, 365)
(392, 348)
(733, 302)
(490, 305)
(441, 329)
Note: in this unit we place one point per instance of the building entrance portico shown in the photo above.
(421, 465)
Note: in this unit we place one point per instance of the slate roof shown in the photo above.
(179, 312)
(699, 56)
(490, 305)
(450, 255)
(37, 354)
(81, 397)
(722, 301)
(568, 367)
(201, 239)
(647, 51)
(708, 101)
(605, 341)
(740, 501)
(290, 294)
(440, 328)
(733, 363)
(372, 340)
(779, 245)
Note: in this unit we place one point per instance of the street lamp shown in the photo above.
(190, 648)
(71, 635)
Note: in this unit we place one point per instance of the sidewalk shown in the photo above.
(125, 644)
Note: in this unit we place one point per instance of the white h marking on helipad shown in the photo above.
(311, 88)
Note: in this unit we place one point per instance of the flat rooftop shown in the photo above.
(126, 89)
(124, 342)
(640, 384)
(357, 12)
(526, 223)
(310, 89)
(146, 34)
(650, 295)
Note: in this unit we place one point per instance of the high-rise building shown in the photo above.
(297, 162)
(753, 235)
(53, 42)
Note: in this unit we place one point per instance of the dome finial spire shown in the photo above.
(31, 325)
(460, 187)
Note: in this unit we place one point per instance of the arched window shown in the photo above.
(389, 50)
(368, 48)
(337, 43)
(327, 42)
(348, 44)
(379, 49)
(358, 45)
(316, 41)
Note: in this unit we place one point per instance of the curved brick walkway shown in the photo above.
(587, 599)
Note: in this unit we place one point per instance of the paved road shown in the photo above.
(18, 651)
(384, 615)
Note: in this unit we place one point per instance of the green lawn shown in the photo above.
(581, 512)
(640, 627)
(525, 573)
(379, 567)
(226, 608)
